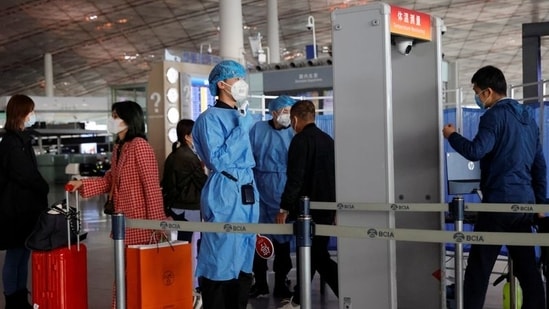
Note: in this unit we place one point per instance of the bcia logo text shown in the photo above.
(372, 233)
(522, 208)
(460, 237)
(345, 206)
(167, 225)
(234, 228)
(399, 207)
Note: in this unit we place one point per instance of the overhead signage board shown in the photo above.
(410, 23)
(307, 78)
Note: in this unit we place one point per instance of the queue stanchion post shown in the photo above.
(304, 232)
(118, 235)
(457, 209)
(512, 285)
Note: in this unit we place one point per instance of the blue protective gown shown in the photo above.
(270, 149)
(224, 146)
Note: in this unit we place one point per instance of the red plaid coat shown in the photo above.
(137, 191)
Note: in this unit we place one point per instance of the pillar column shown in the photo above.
(273, 37)
(231, 33)
(48, 74)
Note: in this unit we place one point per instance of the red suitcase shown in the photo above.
(60, 276)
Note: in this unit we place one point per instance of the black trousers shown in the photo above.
(282, 264)
(183, 235)
(228, 294)
(483, 257)
(322, 263)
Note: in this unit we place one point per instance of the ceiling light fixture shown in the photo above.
(130, 57)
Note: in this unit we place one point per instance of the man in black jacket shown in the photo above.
(311, 172)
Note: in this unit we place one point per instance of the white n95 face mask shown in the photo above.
(284, 120)
(115, 126)
(239, 90)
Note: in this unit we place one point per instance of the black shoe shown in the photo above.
(259, 291)
(18, 300)
(282, 292)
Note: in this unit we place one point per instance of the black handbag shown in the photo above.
(51, 230)
(108, 208)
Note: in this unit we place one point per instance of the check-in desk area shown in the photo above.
(53, 166)
(71, 141)
(57, 148)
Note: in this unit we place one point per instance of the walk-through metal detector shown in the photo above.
(387, 120)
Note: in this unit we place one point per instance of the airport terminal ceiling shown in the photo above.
(100, 43)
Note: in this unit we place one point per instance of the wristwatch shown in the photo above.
(284, 211)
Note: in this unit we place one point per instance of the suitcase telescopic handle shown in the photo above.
(68, 189)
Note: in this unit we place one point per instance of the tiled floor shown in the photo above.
(101, 266)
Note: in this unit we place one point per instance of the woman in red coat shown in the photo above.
(133, 177)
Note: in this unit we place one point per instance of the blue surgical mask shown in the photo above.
(32, 119)
(479, 102)
(294, 127)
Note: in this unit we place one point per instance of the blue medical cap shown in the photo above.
(281, 102)
(224, 70)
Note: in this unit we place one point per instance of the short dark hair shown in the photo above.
(304, 110)
(184, 127)
(133, 117)
(490, 77)
(19, 106)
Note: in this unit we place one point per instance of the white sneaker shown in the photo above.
(288, 304)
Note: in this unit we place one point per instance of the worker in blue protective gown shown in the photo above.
(221, 139)
(270, 142)
(513, 170)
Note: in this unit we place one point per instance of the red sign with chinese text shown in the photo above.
(410, 23)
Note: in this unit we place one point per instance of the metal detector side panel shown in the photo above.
(362, 118)
(417, 137)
